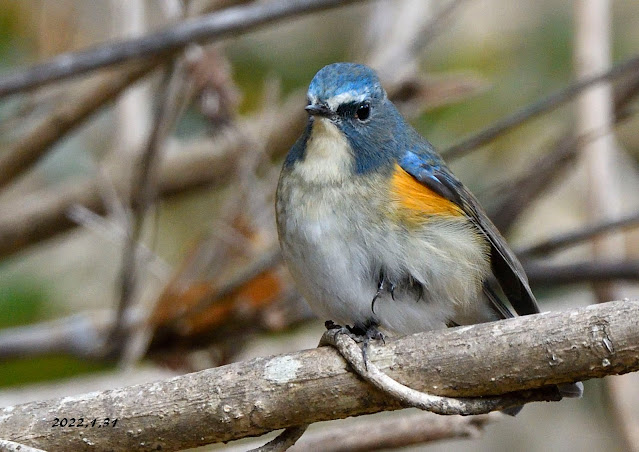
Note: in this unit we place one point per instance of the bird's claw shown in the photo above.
(381, 286)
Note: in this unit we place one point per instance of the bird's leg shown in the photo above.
(367, 332)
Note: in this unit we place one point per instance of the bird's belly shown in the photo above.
(337, 250)
(328, 261)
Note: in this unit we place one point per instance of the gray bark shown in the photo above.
(265, 394)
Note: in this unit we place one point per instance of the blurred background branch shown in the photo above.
(163, 43)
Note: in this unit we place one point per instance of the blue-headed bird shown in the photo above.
(376, 230)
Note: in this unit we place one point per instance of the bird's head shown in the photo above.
(348, 99)
(345, 92)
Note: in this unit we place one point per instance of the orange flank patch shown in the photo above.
(416, 202)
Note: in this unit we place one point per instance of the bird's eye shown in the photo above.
(363, 111)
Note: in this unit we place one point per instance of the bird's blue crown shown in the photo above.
(345, 79)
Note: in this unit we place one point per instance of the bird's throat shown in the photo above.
(328, 157)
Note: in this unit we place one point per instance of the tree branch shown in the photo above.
(582, 272)
(409, 397)
(523, 189)
(264, 394)
(396, 432)
(542, 106)
(206, 162)
(24, 152)
(144, 192)
(167, 41)
(561, 241)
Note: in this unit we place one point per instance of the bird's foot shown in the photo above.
(362, 334)
(347, 330)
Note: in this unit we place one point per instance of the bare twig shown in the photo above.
(175, 95)
(204, 162)
(143, 197)
(170, 40)
(392, 433)
(561, 241)
(20, 155)
(524, 188)
(543, 106)
(583, 272)
(266, 394)
(283, 441)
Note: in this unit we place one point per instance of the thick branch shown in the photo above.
(170, 40)
(265, 394)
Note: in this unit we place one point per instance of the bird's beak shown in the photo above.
(319, 110)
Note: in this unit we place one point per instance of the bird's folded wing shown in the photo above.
(435, 176)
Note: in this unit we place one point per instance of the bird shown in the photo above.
(377, 232)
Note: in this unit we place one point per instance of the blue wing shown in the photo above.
(431, 171)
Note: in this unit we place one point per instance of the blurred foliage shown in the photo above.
(14, 36)
(20, 302)
(32, 370)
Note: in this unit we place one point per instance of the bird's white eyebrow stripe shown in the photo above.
(343, 98)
